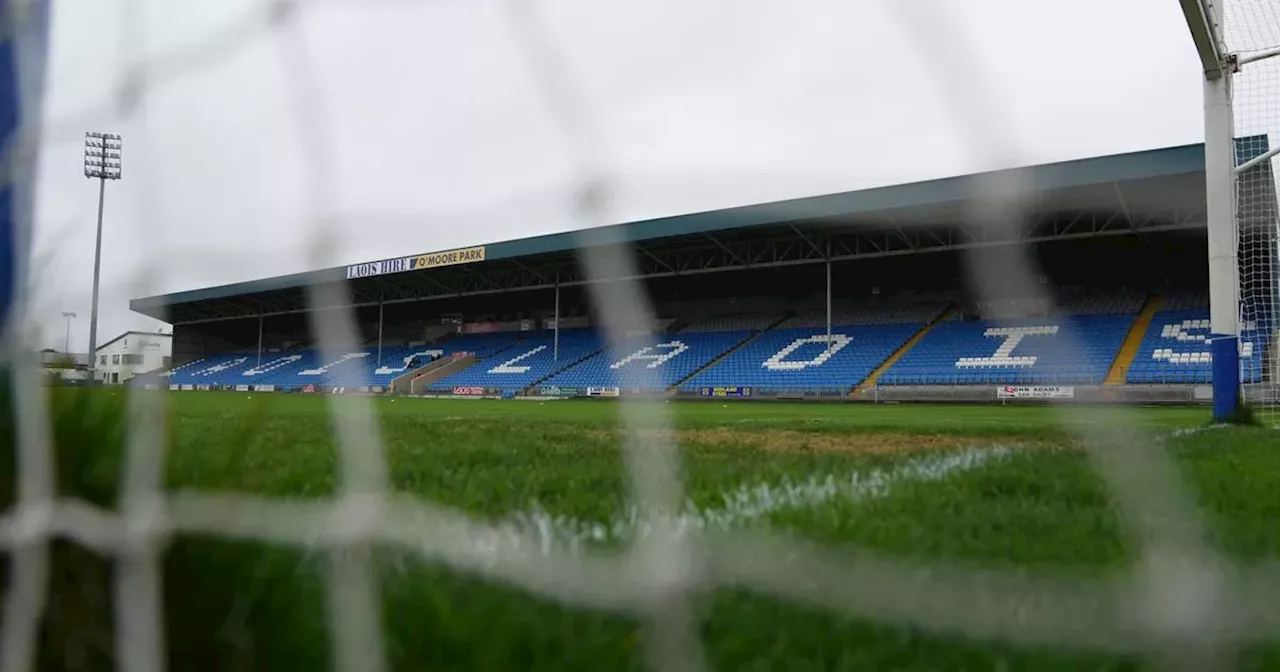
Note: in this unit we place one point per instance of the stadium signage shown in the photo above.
(557, 391)
(468, 391)
(724, 392)
(421, 262)
(1035, 392)
(481, 327)
(602, 391)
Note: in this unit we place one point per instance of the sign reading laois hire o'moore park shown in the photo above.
(418, 262)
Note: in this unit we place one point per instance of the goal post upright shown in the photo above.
(1223, 239)
(1242, 216)
(1204, 19)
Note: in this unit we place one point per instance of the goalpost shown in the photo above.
(1237, 42)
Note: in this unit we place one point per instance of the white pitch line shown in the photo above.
(1192, 431)
(549, 532)
(740, 507)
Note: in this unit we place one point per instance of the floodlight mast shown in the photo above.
(66, 343)
(102, 161)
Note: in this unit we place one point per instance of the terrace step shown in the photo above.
(1133, 341)
(430, 373)
(874, 377)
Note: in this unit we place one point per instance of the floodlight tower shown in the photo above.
(66, 344)
(101, 161)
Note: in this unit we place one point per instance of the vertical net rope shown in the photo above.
(1181, 606)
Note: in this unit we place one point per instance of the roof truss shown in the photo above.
(789, 244)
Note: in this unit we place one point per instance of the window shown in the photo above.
(115, 378)
(102, 359)
(115, 359)
(134, 360)
(168, 362)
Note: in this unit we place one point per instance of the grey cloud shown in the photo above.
(441, 138)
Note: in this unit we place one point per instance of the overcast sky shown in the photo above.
(425, 130)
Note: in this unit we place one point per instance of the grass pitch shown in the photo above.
(874, 476)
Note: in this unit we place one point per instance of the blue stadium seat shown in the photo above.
(1175, 350)
(801, 359)
(794, 357)
(212, 370)
(395, 362)
(650, 364)
(532, 360)
(1013, 352)
(282, 369)
(296, 369)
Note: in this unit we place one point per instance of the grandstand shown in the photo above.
(861, 296)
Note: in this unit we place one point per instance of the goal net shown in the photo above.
(1182, 606)
(1250, 40)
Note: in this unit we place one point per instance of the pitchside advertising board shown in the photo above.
(1035, 392)
(557, 391)
(729, 391)
(419, 262)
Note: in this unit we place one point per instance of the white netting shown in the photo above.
(1252, 29)
(1182, 606)
(1250, 26)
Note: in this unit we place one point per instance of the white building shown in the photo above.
(130, 354)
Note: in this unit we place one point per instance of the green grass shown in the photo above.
(237, 605)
